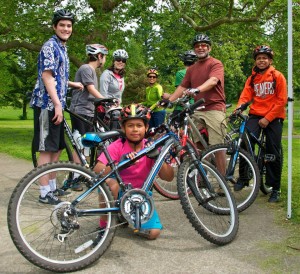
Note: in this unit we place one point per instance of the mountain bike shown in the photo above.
(65, 237)
(244, 163)
(183, 128)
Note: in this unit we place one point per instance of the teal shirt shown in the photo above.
(153, 95)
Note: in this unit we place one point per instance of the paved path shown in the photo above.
(262, 244)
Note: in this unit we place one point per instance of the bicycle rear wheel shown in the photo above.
(166, 188)
(247, 195)
(67, 154)
(59, 238)
(213, 214)
(265, 189)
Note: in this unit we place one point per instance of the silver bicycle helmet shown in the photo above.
(120, 53)
(95, 49)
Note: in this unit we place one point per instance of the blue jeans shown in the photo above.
(157, 118)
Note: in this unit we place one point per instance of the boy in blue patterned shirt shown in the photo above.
(48, 100)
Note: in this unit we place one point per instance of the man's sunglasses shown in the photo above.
(152, 76)
(120, 60)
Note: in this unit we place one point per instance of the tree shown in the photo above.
(156, 32)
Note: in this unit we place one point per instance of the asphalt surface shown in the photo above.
(266, 242)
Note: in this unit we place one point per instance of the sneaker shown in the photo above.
(50, 199)
(60, 192)
(99, 236)
(274, 197)
(239, 185)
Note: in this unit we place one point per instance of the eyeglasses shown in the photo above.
(123, 60)
(201, 45)
(152, 76)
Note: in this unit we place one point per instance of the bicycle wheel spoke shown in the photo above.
(59, 237)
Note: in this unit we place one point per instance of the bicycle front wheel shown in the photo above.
(245, 168)
(62, 237)
(210, 209)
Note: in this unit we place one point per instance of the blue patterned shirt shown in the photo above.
(54, 57)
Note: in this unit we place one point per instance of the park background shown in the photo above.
(154, 33)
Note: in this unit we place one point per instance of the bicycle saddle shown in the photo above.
(91, 139)
(100, 101)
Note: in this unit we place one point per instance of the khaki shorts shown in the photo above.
(215, 123)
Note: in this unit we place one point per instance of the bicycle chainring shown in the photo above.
(137, 199)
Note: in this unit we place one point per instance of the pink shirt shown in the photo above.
(135, 174)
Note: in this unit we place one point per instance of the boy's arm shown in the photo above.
(100, 166)
(166, 172)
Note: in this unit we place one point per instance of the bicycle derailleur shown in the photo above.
(64, 217)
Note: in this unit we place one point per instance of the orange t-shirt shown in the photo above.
(268, 94)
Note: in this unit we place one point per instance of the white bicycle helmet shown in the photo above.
(120, 53)
(95, 49)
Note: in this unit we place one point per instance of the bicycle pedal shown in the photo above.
(270, 157)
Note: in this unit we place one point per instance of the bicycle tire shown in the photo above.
(246, 196)
(265, 189)
(219, 229)
(169, 189)
(34, 154)
(36, 228)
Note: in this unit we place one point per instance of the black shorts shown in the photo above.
(47, 136)
(81, 126)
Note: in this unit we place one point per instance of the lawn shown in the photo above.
(16, 136)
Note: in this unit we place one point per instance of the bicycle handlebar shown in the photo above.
(244, 106)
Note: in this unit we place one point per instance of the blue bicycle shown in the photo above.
(65, 237)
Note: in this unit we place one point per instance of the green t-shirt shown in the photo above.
(153, 95)
(178, 79)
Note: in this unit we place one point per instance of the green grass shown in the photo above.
(16, 136)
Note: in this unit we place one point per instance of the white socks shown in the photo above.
(45, 189)
(52, 184)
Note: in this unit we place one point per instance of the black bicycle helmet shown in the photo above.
(201, 38)
(135, 111)
(263, 50)
(189, 57)
(62, 15)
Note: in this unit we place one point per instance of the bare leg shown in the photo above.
(221, 162)
(44, 158)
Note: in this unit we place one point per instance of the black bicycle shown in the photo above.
(66, 237)
(246, 159)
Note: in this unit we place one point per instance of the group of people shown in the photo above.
(203, 77)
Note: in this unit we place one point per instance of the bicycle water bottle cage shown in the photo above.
(270, 157)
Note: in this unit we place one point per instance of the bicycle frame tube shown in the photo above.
(70, 136)
(159, 162)
(168, 139)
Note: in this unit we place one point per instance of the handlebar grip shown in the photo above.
(197, 104)
(245, 106)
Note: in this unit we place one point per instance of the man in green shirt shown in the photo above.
(188, 58)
